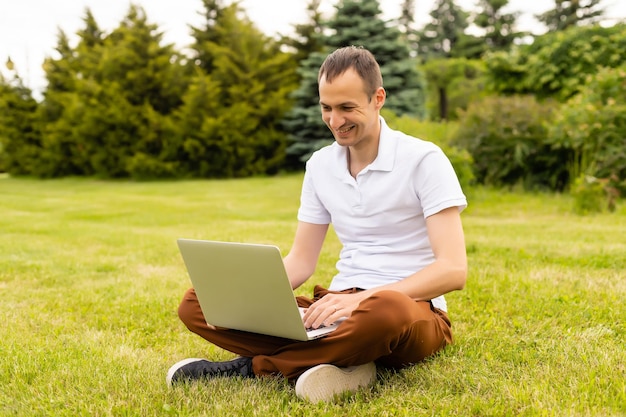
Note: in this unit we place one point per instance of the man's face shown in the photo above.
(348, 111)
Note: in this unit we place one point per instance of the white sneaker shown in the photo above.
(323, 382)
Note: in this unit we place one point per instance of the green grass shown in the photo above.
(90, 279)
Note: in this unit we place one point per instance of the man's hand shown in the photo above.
(331, 308)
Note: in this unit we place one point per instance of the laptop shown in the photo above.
(244, 286)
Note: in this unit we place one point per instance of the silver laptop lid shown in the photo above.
(243, 286)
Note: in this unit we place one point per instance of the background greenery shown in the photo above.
(238, 103)
(90, 279)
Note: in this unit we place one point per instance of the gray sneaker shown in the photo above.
(192, 369)
(324, 382)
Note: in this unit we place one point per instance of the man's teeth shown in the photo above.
(345, 130)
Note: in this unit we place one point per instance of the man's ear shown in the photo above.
(380, 97)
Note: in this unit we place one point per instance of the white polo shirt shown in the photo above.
(380, 217)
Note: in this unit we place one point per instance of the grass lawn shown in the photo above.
(90, 279)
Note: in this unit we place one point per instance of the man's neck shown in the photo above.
(361, 156)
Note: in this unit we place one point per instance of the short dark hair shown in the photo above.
(356, 57)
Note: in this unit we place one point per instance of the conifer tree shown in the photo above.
(308, 132)
(405, 24)
(107, 111)
(243, 135)
(568, 13)
(20, 140)
(63, 152)
(446, 28)
(309, 37)
(499, 26)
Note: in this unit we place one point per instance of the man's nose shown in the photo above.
(336, 119)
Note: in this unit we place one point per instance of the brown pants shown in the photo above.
(389, 328)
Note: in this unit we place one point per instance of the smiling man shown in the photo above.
(394, 202)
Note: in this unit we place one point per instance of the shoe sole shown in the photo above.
(324, 382)
(176, 367)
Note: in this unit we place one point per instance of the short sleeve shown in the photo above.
(311, 208)
(437, 184)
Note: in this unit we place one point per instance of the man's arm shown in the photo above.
(447, 273)
(302, 258)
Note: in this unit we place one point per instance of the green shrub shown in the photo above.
(592, 195)
(507, 139)
(591, 128)
(557, 64)
(439, 133)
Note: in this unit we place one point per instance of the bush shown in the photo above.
(440, 134)
(591, 128)
(507, 139)
(557, 64)
(592, 195)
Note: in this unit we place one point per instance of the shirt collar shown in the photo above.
(384, 160)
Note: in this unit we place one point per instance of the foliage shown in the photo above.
(19, 136)
(567, 13)
(441, 134)
(508, 140)
(124, 105)
(440, 37)
(498, 25)
(557, 64)
(591, 128)
(108, 100)
(308, 37)
(248, 80)
(452, 84)
(308, 132)
(405, 24)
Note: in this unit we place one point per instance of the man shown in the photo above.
(395, 204)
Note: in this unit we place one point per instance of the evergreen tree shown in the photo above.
(306, 128)
(208, 35)
(499, 26)
(308, 132)
(72, 65)
(406, 19)
(142, 83)
(243, 135)
(440, 37)
(63, 153)
(568, 13)
(114, 115)
(20, 140)
(309, 37)
(405, 24)
(59, 72)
